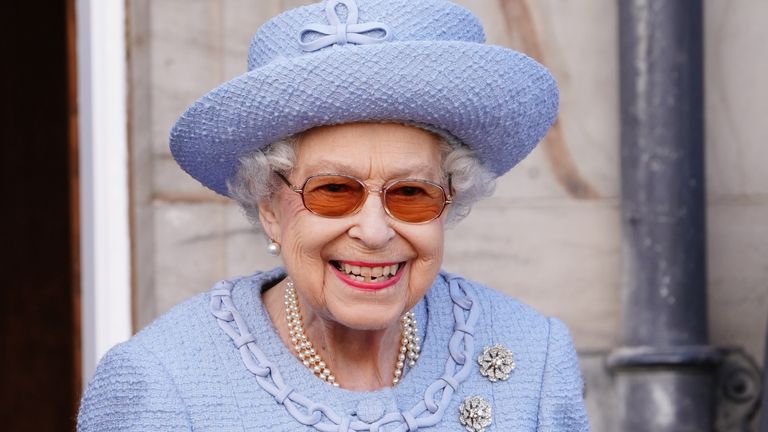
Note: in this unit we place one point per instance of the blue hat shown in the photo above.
(343, 61)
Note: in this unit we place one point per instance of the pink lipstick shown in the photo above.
(367, 275)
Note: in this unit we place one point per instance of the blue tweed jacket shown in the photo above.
(185, 372)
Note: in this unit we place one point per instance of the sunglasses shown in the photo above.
(338, 195)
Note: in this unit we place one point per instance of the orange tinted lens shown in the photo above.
(332, 195)
(415, 201)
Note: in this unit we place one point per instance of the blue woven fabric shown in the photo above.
(434, 68)
(184, 373)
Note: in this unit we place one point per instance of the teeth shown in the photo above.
(368, 274)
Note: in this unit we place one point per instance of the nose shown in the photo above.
(372, 224)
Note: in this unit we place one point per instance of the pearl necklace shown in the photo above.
(407, 354)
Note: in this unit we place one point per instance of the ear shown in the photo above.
(269, 220)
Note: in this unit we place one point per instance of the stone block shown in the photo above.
(542, 251)
(241, 20)
(171, 183)
(580, 158)
(190, 251)
(738, 274)
(187, 59)
(736, 103)
(245, 245)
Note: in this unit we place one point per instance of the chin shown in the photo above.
(368, 318)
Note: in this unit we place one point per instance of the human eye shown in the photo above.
(414, 189)
(332, 185)
(335, 188)
(410, 190)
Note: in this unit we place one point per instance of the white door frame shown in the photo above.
(105, 263)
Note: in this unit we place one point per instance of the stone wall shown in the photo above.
(551, 233)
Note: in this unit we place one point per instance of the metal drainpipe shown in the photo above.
(664, 372)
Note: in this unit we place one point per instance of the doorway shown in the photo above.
(39, 302)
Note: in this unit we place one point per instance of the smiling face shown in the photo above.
(364, 270)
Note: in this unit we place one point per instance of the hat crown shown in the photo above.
(294, 33)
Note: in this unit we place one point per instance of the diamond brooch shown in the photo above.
(475, 414)
(496, 362)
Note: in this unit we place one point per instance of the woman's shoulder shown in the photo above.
(544, 358)
(186, 321)
(505, 320)
(154, 347)
(178, 362)
(188, 329)
(135, 385)
(500, 309)
(178, 319)
(508, 320)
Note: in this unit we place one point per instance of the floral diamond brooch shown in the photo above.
(496, 362)
(475, 414)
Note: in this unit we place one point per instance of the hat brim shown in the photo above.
(497, 101)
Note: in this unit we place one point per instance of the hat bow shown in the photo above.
(342, 33)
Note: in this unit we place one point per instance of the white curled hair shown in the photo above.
(254, 181)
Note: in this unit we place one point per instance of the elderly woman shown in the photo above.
(361, 130)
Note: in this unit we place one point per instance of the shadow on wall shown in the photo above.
(518, 20)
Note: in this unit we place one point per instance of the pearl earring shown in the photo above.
(273, 248)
